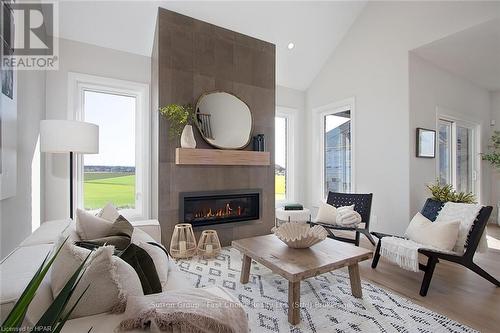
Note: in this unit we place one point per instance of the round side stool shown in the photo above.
(282, 216)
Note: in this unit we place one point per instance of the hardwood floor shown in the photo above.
(455, 291)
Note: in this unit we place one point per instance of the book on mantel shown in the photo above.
(293, 206)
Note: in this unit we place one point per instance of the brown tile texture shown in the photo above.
(193, 57)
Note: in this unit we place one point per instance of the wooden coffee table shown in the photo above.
(296, 265)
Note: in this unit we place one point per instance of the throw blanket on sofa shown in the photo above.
(187, 311)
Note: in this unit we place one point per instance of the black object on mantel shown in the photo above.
(259, 142)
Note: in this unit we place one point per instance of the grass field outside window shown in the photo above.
(102, 187)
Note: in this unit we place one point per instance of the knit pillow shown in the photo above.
(440, 235)
(109, 278)
(466, 214)
(348, 217)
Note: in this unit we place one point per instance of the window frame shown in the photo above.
(318, 130)
(290, 115)
(449, 116)
(77, 85)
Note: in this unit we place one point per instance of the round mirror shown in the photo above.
(224, 120)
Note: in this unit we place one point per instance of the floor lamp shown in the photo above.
(69, 136)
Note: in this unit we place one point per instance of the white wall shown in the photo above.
(371, 64)
(15, 212)
(432, 87)
(495, 174)
(88, 59)
(295, 99)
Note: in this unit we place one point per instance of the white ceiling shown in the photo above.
(315, 28)
(473, 54)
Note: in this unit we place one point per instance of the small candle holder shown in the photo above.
(183, 243)
(209, 244)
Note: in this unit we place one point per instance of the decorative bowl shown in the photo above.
(299, 235)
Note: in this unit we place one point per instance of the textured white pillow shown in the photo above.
(89, 226)
(348, 217)
(160, 260)
(109, 212)
(466, 214)
(326, 213)
(441, 235)
(345, 208)
(111, 279)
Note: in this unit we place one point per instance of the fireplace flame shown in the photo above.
(227, 211)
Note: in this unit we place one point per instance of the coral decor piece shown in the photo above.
(300, 235)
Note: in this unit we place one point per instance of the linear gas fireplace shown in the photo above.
(217, 207)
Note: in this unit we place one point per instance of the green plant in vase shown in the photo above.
(179, 119)
(494, 155)
(445, 193)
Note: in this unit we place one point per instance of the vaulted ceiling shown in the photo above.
(315, 28)
(473, 54)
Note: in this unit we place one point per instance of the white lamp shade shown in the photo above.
(63, 136)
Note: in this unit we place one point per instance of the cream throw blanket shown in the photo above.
(403, 252)
(186, 311)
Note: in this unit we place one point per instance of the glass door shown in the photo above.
(457, 155)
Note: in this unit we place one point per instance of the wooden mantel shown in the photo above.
(186, 156)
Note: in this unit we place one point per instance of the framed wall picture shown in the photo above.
(426, 143)
(8, 106)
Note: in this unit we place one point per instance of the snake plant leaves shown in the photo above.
(16, 316)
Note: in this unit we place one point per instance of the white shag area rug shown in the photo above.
(327, 304)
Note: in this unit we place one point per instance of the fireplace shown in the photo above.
(218, 207)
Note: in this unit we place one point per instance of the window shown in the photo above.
(284, 168)
(110, 175)
(456, 154)
(337, 152)
(333, 139)
(280, 167)
(120, 172)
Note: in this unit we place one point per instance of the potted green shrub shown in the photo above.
(179, 119)
(445, 193)
(493, 157)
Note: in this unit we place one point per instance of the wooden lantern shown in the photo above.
(209, 245)
(183, 243)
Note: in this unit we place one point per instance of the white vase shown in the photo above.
(187, 137)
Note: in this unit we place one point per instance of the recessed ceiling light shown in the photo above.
(291, 45)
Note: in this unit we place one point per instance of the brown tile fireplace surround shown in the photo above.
(191, 57)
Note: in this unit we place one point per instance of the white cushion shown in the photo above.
(466, 214)
(329, 214)
(326, 213)
(348, 217)
(16, 271)
(139, 236)
(48, 232)
(109, 212)
(106, 292)
(89, 226)
(151, 227)
(160, 261)
(440, 235)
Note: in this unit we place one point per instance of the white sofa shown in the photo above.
(17, 269)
